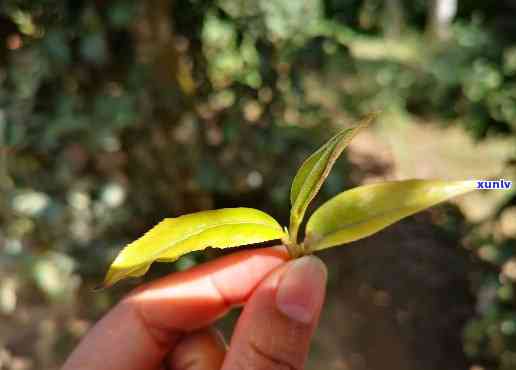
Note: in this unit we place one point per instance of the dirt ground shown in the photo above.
(397, 300)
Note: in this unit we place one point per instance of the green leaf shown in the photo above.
(315, 169)
(174, 237)
(362, 211)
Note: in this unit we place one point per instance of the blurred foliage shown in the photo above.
(491, 336)
(116, 114)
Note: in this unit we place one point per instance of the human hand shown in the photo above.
(166, 324)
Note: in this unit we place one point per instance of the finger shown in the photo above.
(143, 328)
(278, 321)
(200, 350)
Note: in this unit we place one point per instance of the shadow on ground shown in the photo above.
(397, 300)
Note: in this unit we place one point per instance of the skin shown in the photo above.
(166, 324)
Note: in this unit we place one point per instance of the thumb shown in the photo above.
(278, 321)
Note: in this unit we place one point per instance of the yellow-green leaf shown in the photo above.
(362, 211)
(174, 237)
(315, 169)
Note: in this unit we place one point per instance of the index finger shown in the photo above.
(139, 332)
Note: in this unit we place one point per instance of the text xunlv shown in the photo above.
(494, 184)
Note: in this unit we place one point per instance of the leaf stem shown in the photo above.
(294, 250)
(293, 228)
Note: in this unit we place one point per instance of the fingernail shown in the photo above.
(301, 289)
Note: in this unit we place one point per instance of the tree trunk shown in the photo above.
(442, 13)
(393, 20)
